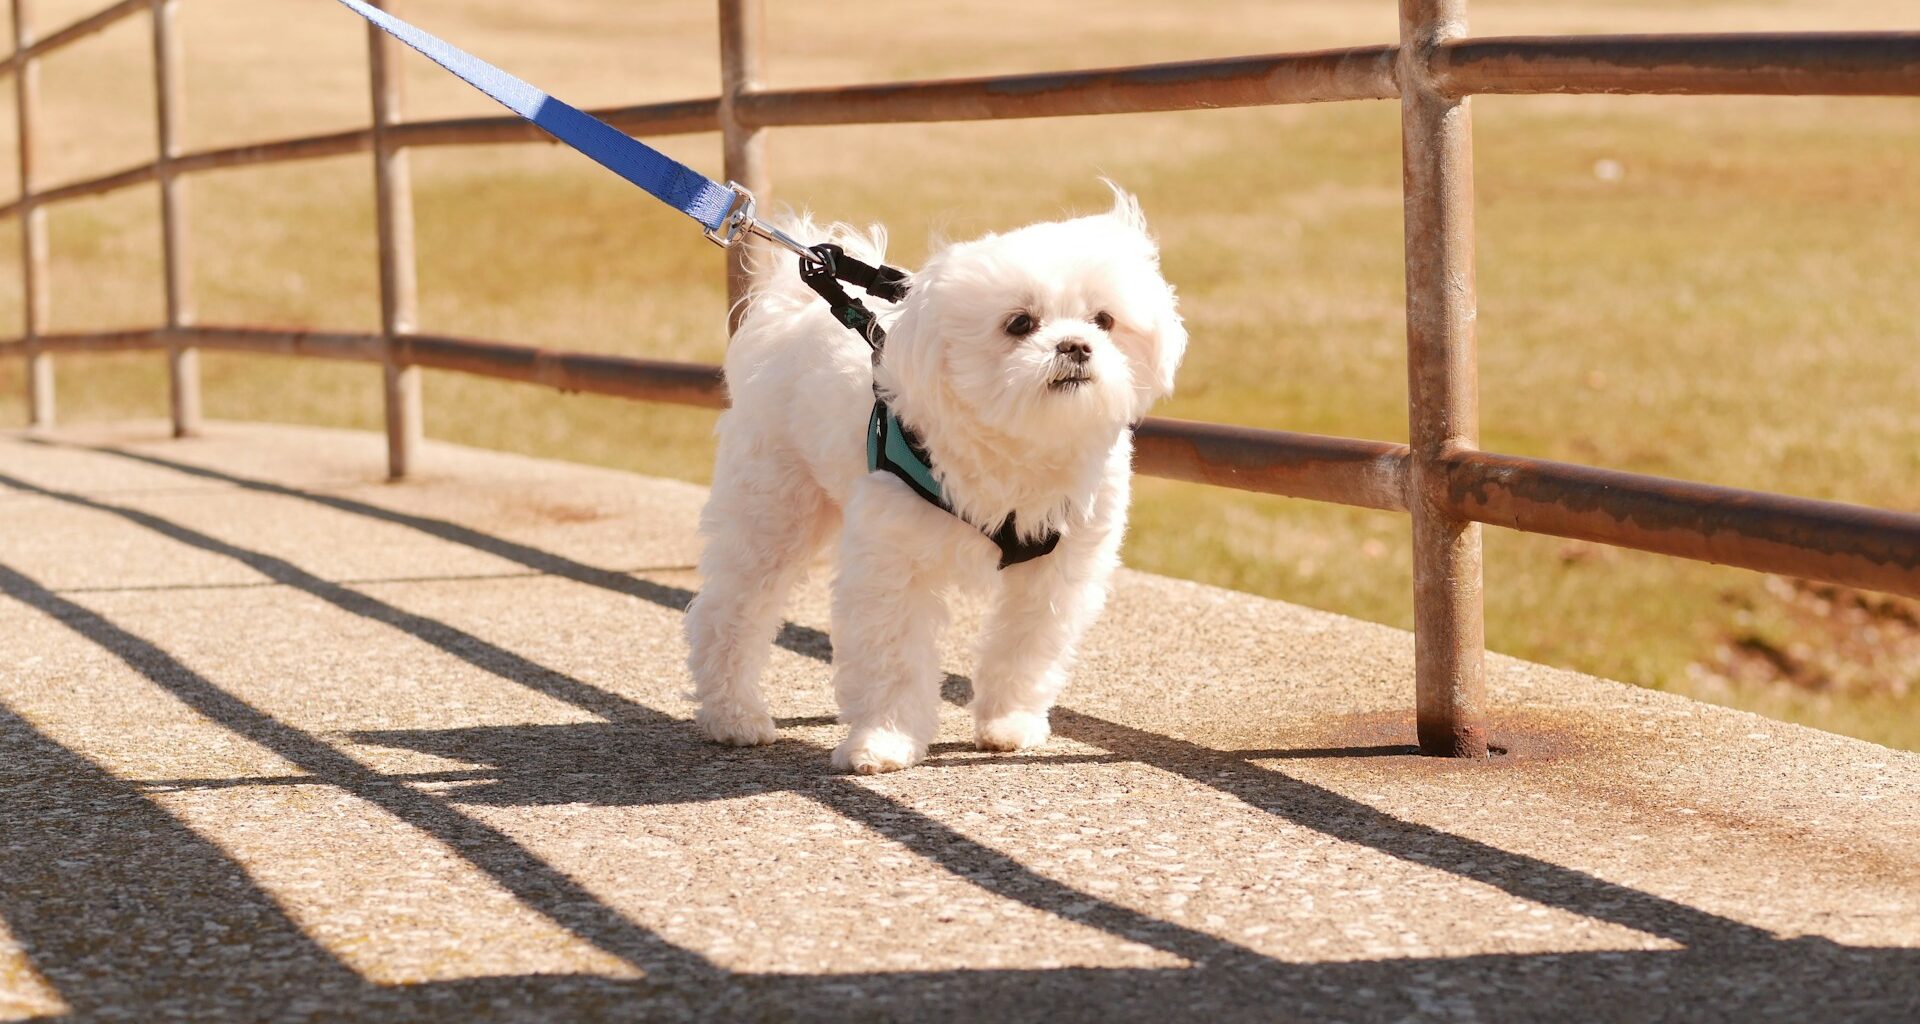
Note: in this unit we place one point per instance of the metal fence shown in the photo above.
(1447, 485)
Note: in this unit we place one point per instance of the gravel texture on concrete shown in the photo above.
(282, 741)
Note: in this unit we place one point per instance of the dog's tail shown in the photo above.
(777, 286)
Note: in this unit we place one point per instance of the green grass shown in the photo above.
(1737, 307)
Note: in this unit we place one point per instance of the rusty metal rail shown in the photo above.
(1447, 486)
(621, 376)
(1341, 470)
(347, 345)
(25, 49)
(1849, 544)
(1361, 73)
(1725, 64)
(1749, 64)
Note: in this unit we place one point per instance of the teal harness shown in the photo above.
(894, 448)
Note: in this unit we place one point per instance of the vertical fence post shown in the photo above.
(392, 189)
(1443, 388)
(33, 228)
(399, 289)
(742, 25)
(183, 361)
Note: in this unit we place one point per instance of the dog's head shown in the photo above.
(1059, 328)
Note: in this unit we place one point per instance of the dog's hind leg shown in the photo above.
(763, 522)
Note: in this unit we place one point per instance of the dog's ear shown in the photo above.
(1169, 346)
(1167, 333)
(1126, 209)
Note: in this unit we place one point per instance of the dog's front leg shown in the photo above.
(888, 610)
(1028, 645)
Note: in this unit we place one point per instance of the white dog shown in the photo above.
(1019, 360)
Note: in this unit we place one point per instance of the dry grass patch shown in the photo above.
(1718, 289)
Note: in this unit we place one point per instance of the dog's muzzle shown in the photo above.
(1068, 376)
(1069, 369)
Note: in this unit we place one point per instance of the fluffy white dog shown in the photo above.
(1019, 360)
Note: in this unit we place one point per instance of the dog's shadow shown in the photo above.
(652, 759)
(606, 763)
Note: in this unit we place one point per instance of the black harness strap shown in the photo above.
(831, 265)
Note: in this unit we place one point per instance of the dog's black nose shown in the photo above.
(1076, 349)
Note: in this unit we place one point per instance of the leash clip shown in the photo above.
(739, 222)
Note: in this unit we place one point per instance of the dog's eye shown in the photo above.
(1020, 325)
(1103, 320)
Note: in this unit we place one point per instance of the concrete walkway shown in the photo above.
(281, 741)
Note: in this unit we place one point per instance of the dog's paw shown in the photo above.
(734, 725)
(874, 751)
(1015, 730)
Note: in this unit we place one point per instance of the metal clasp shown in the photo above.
(738, 220)
(739, 223)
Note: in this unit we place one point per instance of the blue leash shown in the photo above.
(726, 211)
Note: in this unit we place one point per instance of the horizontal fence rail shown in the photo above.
(1833, 541)
(1341, 470)
(1447, 484)
(681, 117)
(1827, 540)
(1753, 64)
(1725, 64)
(676, 117)
(347, 345)
(1363, 73)
(73, 33)
(622, 376)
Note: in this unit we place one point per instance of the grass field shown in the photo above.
(1716, 289)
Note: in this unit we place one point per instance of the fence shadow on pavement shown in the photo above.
(111, 897)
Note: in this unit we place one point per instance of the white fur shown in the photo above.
(792, 472)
